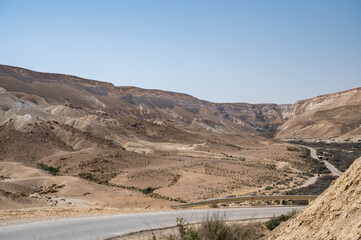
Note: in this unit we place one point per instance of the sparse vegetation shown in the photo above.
(149, 191)
(277, 220)
(314, 189)
(292, 149)
(234, 146)
(268, 188)
(317, 166)
(271, 166)
(214, 205)
(175, 180)
(216, 228)
(341, 155)
(226, 155)
(52, 170)
(268, 133)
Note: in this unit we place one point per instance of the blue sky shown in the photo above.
(223, 51)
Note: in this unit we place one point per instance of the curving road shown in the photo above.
(100, 227)
(333, 169)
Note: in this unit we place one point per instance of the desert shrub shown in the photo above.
(271, 166)
(275, 221)
(292, 149)
(175, 180)
(234, 146)
(214, 205)
(215, 228)
(186, 232)
(319, 167)
(291, 192)
(306, 153)
(268, 188)
(317, 188)
(52, 170)
(148, 190)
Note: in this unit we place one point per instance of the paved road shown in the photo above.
(333, 169)
(100, 227)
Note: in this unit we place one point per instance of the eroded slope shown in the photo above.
(332, 117)
(153, 105)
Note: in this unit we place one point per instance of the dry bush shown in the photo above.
(216, 228)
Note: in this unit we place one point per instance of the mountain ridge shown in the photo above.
(305, 120)
(143, 103)
(132, 89)
(331, 117)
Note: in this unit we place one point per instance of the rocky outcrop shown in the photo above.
(286, 110)
(336, 214)
(329, 117)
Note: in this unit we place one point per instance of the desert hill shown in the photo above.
(72, 142)
(331, 117)
(152, 105)
(335, 214)
(152, 149)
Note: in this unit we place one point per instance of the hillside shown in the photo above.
(152, 149)
(136, 149)
(152, 105)
(335, 214)
(333, 117)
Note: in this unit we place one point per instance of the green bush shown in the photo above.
(148, 190)
(275, 221)
(52, 170)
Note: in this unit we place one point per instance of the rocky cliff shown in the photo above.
(329, 117)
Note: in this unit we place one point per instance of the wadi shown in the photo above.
(72, 146)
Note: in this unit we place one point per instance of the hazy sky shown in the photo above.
(223, 51)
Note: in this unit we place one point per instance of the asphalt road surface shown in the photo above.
(100, 227)
(333, 169)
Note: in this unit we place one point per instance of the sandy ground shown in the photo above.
(213, 169)
(46, 213)
(106, 160)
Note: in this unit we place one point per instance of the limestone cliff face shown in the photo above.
(329, 116)
(286, 110)
(336, 214)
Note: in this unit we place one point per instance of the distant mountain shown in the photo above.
(331, 117)
(176, 109)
